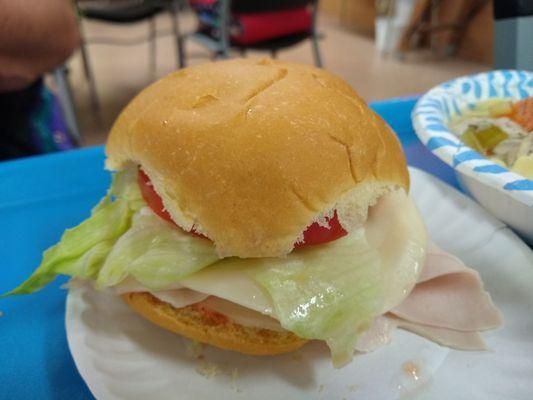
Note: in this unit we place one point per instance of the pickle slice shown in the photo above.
(484, 139)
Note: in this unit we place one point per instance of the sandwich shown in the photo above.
(256, 205)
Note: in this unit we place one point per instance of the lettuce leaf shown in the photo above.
(122, 238)
(155, 253)
(328, 292)
(327, 295)
(83, 249)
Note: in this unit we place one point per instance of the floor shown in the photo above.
(122, 71)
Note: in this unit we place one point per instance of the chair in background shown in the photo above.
(127, 12)
(270, 25)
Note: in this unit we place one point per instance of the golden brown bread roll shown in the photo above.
(212, 328)
(251, 152)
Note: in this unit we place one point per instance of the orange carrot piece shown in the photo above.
(523, 113)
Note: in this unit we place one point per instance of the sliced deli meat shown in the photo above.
(459, 340)
(449, 295)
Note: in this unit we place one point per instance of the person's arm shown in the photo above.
(35, 37)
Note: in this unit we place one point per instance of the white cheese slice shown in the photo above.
(229, 281)
(179, 298)
(394, 228)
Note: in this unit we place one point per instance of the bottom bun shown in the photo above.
(212, 328)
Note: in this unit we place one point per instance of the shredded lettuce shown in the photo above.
(327, 296)
(107, 248)
(155, 253)
(329, 292)
(82, 250)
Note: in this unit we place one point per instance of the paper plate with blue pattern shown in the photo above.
(506, 194)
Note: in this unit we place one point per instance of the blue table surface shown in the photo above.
(43, 195)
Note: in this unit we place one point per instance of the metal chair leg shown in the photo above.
(314, 37)
(89, 76)
(225, 6)
(152, 47)
(87, 70)
(67, 103)
(316, 52)
(180, 50)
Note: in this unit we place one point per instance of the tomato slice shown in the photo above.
(313, 235)
(316, 234)
(154, 201)
(151, 197)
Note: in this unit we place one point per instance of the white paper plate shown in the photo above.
(121, 356)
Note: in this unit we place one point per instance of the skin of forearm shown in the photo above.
(35, 37)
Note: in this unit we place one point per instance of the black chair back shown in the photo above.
(123, 11)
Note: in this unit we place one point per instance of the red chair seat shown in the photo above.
(253, 28)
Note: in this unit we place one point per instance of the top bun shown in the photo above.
(251, 152)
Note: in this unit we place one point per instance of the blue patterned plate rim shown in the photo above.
(438, 106)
